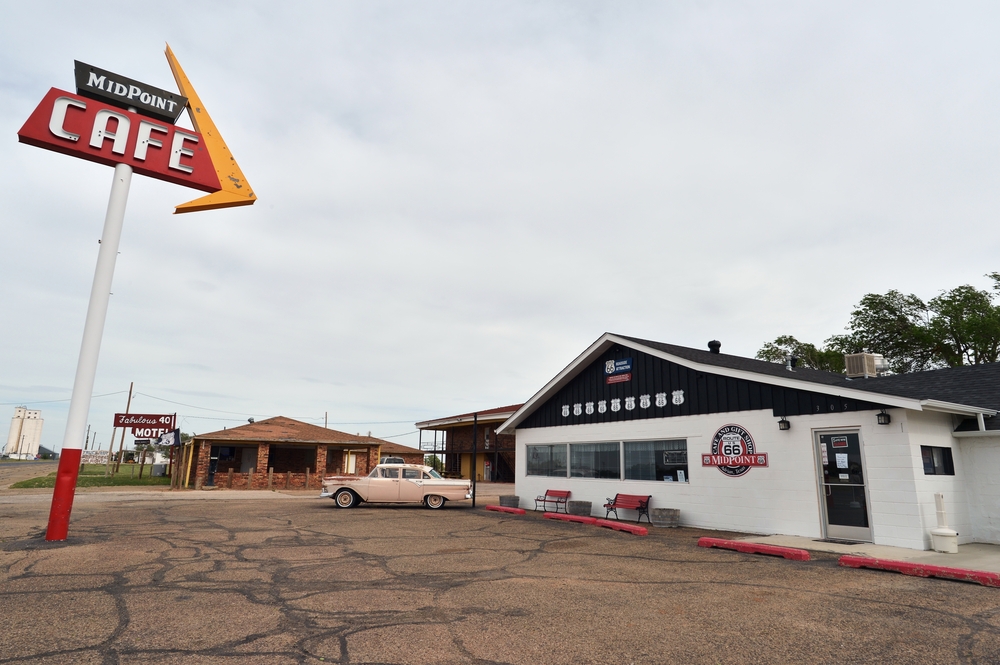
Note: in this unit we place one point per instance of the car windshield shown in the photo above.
(434, 474)
(374, 473)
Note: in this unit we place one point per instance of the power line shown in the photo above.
(394, 436)
(264, 415)
(53, 401)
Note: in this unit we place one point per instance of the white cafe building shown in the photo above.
(746, 445)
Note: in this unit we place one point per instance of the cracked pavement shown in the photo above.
(183, 577)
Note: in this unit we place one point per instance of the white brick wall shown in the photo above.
(784, 497)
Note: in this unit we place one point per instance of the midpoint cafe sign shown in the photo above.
(130, 126)
(113, 119)
(95, 126)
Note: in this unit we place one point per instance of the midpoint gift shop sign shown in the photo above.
(733, 452)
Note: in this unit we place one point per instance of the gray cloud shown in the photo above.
(456, 198)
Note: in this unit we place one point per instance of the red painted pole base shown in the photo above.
(62, 496)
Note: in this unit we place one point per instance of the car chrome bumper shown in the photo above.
(324, 494)
(468, 495)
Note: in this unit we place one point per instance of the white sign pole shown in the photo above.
(86, 368)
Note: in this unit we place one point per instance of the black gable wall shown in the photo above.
(703, 393)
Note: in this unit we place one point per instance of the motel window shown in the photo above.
(594, 460)
(937, 461)
(656, 460)
(547, 460)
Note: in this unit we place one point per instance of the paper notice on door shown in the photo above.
(841, 460)
(826, 457)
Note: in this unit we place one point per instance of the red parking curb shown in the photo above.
(570, 518)
(621, 526)
(506, 509)
(922, 570)
(792, 553)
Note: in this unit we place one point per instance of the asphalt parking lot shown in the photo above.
(220, 577)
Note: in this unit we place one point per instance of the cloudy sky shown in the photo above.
(456, 198)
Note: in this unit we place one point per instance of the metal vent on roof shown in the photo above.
(865, 365)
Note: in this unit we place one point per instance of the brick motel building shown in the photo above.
(451, 438)
(282, 453)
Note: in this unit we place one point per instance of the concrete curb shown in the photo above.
(582, 519)
(621, 526)
(792, 553)
(506, 509)
(922, 570)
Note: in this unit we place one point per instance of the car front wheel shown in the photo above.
(346, 499)
(434, 501)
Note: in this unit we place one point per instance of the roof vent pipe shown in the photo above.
(714, 346)
(791, 363)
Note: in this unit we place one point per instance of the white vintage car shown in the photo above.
(396, 483)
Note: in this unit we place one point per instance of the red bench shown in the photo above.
(636, 502)
(555, 497)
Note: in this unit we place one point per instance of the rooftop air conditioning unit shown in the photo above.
(865, 365)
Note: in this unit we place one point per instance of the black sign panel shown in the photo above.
(658, 388)
(112, 88)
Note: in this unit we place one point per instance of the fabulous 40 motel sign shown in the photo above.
(120, 122)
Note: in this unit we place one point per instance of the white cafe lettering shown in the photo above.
(119, 137)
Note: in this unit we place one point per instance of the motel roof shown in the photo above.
(286, 430)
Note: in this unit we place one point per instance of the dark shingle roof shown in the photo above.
(974, 385)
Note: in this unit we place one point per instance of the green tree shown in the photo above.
(778, 351)
(434, 462)
(957, 327)
(894, 325)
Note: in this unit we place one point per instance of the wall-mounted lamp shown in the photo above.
(784, 424)
(883, 418)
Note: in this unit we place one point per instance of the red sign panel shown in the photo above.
(618, 378)
(99, 132)
(759, 459)
(136, 420)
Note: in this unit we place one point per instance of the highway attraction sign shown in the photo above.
(131, 126)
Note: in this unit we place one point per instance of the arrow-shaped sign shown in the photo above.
(236, 191)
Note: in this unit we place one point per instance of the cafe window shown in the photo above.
(594, 460)
(937, 461)
(547, 460)
(656, 460)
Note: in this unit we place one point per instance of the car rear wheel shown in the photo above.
(346, 499)
(434, 501)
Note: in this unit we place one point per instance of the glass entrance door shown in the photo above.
(843, 486)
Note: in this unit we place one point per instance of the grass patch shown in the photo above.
(93, 476)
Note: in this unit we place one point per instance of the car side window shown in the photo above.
(411, 474)
(390, 473)
(426, 476)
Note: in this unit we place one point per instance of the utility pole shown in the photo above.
(87, 443)
(121, 442)
(475, 433)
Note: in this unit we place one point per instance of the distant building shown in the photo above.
(25, 433)
(294, 450)
(452, 439)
